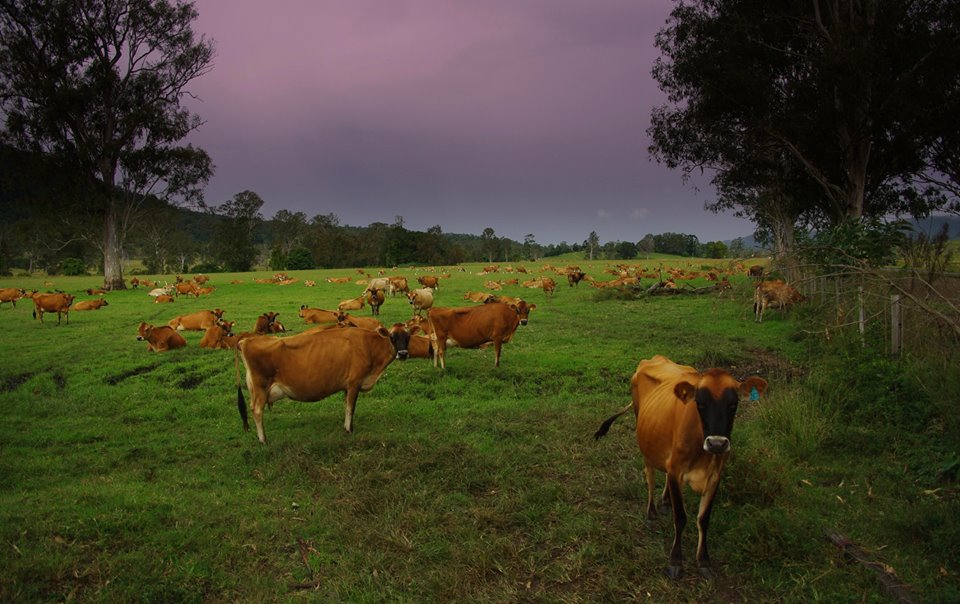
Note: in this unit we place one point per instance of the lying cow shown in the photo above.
(475, 326)
(351, 304)
(160, 339)
(52, 303)
(318, 315)
(265, 324)
(774, 294)
(90, 304)
(684, 421)
(163, 299)
(218, 336)
(313, 365)
(198, 321)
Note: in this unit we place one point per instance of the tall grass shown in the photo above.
(126, 476)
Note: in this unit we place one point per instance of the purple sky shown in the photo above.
(527, 116)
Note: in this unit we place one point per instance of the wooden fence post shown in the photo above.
(896, 325)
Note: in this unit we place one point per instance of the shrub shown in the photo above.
(300, 258)
(71, 267)
(205, 267)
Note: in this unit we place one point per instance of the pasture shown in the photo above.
(126, 475)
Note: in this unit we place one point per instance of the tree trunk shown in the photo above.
(112, 255)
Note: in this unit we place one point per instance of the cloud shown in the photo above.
(603, 214)
(639, 213)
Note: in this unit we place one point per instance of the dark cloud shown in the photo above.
(527, 117)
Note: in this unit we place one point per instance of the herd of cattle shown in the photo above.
(684, 418)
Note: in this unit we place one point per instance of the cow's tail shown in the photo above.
(605, 426)
(241, 404)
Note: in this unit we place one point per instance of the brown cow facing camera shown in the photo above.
(160, 339)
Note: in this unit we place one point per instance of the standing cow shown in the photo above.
(684, 423)
(475, 326)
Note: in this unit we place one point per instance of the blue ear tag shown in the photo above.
(754, 395)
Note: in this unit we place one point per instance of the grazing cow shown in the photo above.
(429, 281)
(90, 304)
(198, 321)
(421, 299)
(474, 326)
(549, 286)
(351, 304)
(187, 288)
(265, 322)
(160, 339)
(575, 277)
(313, 365)
(774, 294)
(218, 335)
(58, 303)
(375, 299)
(11, 295)
(477, 296)
(162, 299)
(398, 284)
(756, 272)
(684, 421)
(318, 315)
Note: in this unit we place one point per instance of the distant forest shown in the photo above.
(50, 224)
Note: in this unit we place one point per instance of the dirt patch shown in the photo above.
(59, 380)
(756, 361)
(12, 382)
(113, 380)
(190, 382)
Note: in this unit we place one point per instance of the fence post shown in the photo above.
(896, 326)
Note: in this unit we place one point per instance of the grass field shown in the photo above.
(126, 475)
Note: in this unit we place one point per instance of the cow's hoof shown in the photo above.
(674, 571)
(705, 572)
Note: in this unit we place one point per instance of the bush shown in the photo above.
(71, 267)
(300, 259)
(205, 267)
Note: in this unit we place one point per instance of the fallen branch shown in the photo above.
(888, 578)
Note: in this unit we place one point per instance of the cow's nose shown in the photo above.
(402, 355)
(716, 444)
(523, 321)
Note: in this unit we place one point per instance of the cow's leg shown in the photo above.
(650, 473)
(258, 400)
(679, 521)
(665, 499)
(349, 405)
(497, 345)
(703, 522)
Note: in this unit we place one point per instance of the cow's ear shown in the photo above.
(414, 330)
(531, 307)
(685, 391)
(753, 387)
(383, 332)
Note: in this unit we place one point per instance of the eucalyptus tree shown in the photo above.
(98, 86)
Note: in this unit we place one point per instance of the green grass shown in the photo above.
(126, 475)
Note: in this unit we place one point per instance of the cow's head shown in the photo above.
(717, 396)
(227, 327)
(144, 331)
(218, 313)
(303, 307)
(400, 338)
(523, 310)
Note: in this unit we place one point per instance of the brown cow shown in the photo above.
(477, 296)
(160, 339)
(90, 304)
(421, 299)
(474, 326)
(162, 298)
(774, 294)
(375, 299)
(362, 322)
(318, 315)
(429, 281)
(134, 282)
(398, 284)
(756, 272)
(684, 421)
(351, 304)
(575, 277)
(95, 291)
(198, 321)
(549, 286)
(218, 336)
(11, 295)
(265, 322)
(313, 365)
(187, 288)
(58, 303)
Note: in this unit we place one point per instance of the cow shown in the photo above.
(90, 304)
(381, 283)
(477, 296)
(58, 303)
(398, 284)
(474, 326)
(11, 295)
(318, 315)
(375, 299)
(92, 291)
(575, 277)
(160, 291)
(200, 279)
(347, 320)
(264, 324)
(313, 365)
(205, 291)
(774, 294)
(755, 272)
(218, 335)
(187, 288)
(684, 422)
(351, 304)
(162, 299)
(494, 285)
(197, 321)
(421, 299)
(429, 281)
(549, 286)
(160, 339)
(134, 282)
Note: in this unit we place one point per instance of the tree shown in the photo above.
(714, 249)
(489, 244)
(233, 243)
(98, 85)
(591, 244)
(626, 250)
(647, 245)
(818, 110)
